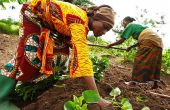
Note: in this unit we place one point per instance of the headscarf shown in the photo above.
(106, 14)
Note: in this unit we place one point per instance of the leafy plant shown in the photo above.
(124, 104)
(59, 66)
(80, 103)
(8, 1)
(99, 65)
(8, 26)
(30, 90)
(166, 61)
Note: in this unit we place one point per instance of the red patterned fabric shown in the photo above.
(29, 70)
(74, 62)
(55, 11)
(74, 19)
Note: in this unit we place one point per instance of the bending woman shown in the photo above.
(51, 27)
(147, 63)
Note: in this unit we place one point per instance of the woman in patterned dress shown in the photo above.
(48, 22)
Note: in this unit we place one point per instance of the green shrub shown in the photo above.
(166, 61)
(99, 65)
(8, 26)
(30, 90)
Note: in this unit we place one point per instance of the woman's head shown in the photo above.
(102, 19)
(127, 20)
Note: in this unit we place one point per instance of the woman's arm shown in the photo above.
(127, 32)
(81, 65)
(116, 43)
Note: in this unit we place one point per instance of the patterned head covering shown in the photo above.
(105, 14)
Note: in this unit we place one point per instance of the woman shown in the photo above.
(51, 27)
(147, 63)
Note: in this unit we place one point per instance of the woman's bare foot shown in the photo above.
(131, 83)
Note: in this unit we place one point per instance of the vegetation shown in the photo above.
(99, 65)
(80, 103)
(8, 1)
(126, 56)
(166, 61)
(8, 26)
(30, 90)
(123, 104)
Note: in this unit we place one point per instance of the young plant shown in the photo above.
(145, 108)
(99, 65)
(142, 99)
(124, 104)
(80, 103)
(30, 90)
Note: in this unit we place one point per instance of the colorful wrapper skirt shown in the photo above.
(147, 63)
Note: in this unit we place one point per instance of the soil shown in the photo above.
(115, 76)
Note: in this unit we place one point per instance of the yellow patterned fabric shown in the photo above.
(81, 64)
(150, 35)
(72, 21)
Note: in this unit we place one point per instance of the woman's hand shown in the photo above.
(109, 46)
(128, 49)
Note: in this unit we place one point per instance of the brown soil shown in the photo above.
(115, 76)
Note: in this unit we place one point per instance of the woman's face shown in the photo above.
(124, 23)
(98, 28)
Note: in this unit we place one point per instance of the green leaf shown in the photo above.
(58, 61)
(145, 108)
(69, 105)
(91, 96)
(115, 92)
(141, 99)
(126, 105)
(81, 100)
(78, 107)
(76, 100)
(57, 68)
(84, 107)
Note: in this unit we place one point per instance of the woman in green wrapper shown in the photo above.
(147, 62)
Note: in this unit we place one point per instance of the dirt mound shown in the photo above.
(55, 97)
